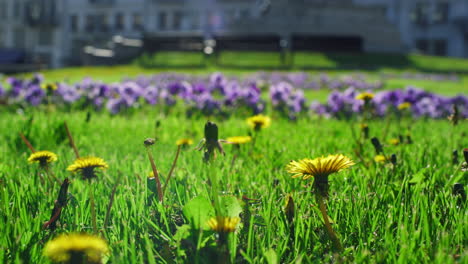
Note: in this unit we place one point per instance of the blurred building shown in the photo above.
(64, 32)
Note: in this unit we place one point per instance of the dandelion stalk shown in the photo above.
(70, 138)
(148, 143)
(26, 141)
(111, 201)
(172, 169)
(320, 169)
(93, 211)
(331, 233)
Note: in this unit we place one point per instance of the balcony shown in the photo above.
(459, 12)
(41, 14)
(101, 2)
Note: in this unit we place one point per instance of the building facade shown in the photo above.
(57, 32)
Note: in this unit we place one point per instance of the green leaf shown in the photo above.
(182, 232)
(270, 256)
(198, 211)
(230, 206)
(419, 176)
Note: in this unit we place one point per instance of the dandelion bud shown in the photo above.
(455, 116)
(455, 157)
(365, 130)
(149, 142)
(393, 159)
(400, 138)
(211, 131)
(276, 182)
(211, 142)
(289, 209)
(377, 146)
(459, 190)
(88, 117)
(408, 139)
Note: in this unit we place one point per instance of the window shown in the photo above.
(178, 15)
(422, 45)
(441, 13)
(137, 22)
(18, 37)
(162, 20)
(436, 47)
(119, 21)
(74, 23)
(244, 13)
(195, 20)
(45, 37)
(421, 13)
(17, 10)
(440, 47)
(102, 22)
(3, 11)
(90, 23)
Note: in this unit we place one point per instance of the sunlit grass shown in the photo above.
(381, 213)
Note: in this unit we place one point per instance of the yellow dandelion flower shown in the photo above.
(86, 166)
(364, 126)
(394, 141)
(259, 121)
(75, 248)
(49, 86)
(239, 140)
(380, 159)
(184, 142)
(223, 224)
(365, 96)
(319, 167)
(44, 157)
(404, 106)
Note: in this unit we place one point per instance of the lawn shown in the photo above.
(402, 202)
(382, 212)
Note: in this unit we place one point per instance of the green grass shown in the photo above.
(405, 214)
(382, 214)
(235, 63)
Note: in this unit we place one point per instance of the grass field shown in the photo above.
(403, 211)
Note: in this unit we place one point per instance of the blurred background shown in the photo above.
(38, 34)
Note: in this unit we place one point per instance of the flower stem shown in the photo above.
(70, 138)
(28, 144)
(172, 169)
(334, 238)
(93, 211)
(156, 175)
(111, 201)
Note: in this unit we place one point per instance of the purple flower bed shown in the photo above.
(422, 103)
(218, 94)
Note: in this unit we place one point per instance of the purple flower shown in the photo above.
(115, 105)
(151, 95)
(34, 95)
(68, 93)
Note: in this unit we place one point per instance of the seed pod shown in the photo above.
(455, 157)
(365, 130)
(393, 159)
(377, 146)
(459, 191)
(149, 142)
(408, 139)
(289, 209)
